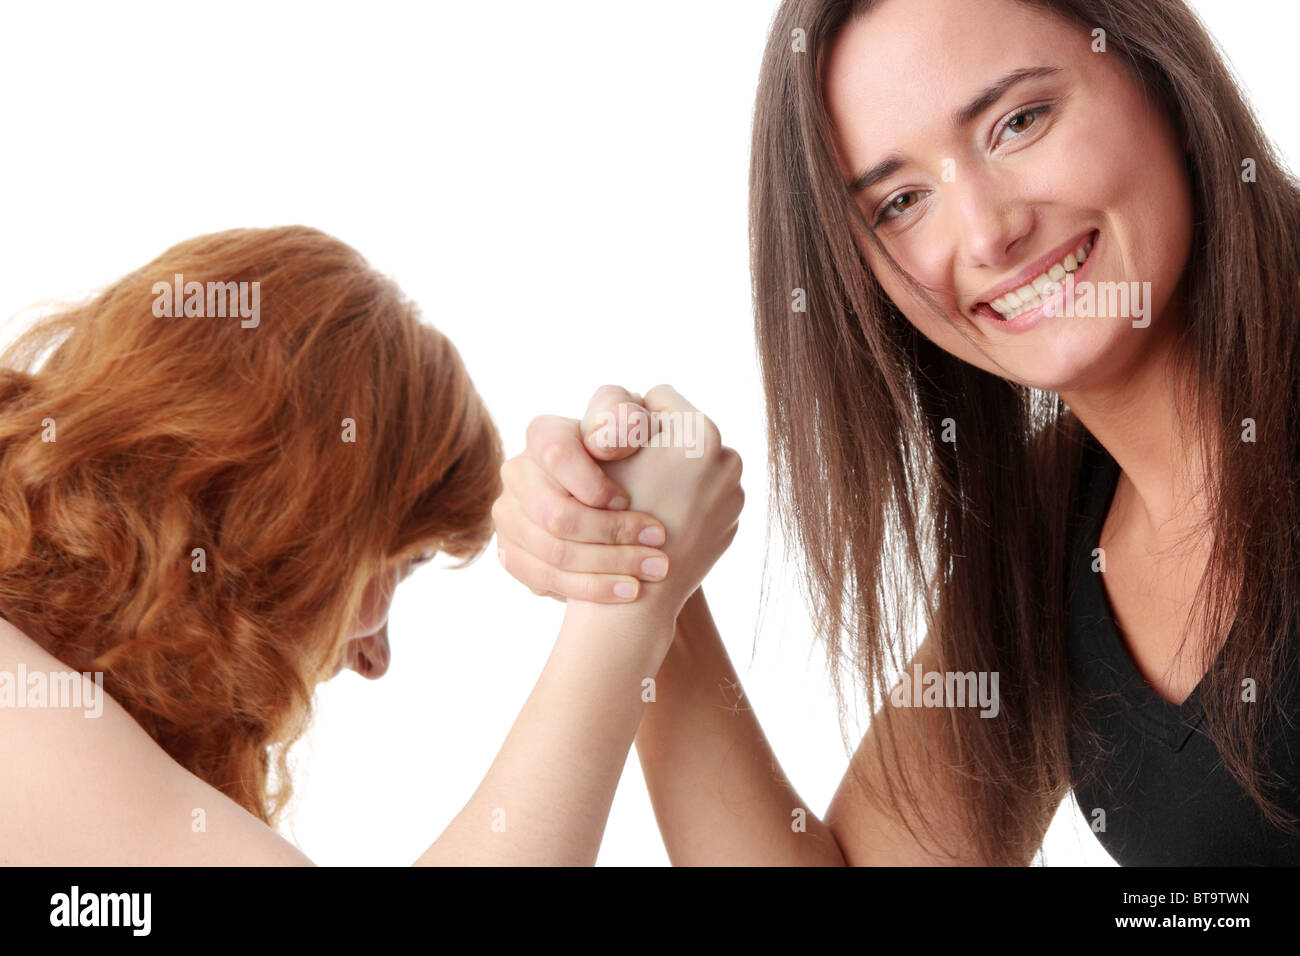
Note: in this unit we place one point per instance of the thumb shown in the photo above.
(616, 424)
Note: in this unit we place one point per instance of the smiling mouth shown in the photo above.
(1035, 292)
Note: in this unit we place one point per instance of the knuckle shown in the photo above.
(558, 552)
(546, 517)
(549, 580)
(536, 429)
(553, 455)
(591, 487)
(732, 466)
(592, 589)
(709, 444)
(659, 391)
(508, 471)
(606, 391)
(558, 521)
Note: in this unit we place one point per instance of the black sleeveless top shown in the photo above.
(1148, 765)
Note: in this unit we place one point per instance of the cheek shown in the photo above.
(939, 329)
(374, 606)
(1154, 203)
(1129, 165)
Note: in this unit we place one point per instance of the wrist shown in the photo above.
(643, 628)
(690, 629)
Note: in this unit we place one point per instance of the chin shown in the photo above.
(1066, 371)
(1062, 360)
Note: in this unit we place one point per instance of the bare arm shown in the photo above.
(718, 792)
(81, 790)
(546, 798)
(101, 791)
(720, 796)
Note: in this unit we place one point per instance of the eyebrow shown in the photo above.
(986, 98)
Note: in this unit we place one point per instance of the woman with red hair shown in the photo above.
(213, 475)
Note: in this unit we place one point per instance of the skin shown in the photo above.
(367, 651)
(1001, 211)
(1100, 157)
(116, 798)
(893, 82)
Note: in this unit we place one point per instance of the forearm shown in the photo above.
(546, 798)
(718, 792)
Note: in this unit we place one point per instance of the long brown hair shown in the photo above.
(142, 438)
(891, 521)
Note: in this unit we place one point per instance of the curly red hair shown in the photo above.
(142, 438)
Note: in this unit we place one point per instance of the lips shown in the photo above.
(1025, 290)
(1032, 312)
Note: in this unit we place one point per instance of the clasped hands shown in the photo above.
(631, 505)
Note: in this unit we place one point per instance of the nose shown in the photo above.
(369, 656)
(991, 221)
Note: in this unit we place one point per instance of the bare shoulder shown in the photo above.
(85, 785)
(14, 641)
(16, 645)
(26, 670)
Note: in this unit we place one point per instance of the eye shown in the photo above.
(895, 206)
(1018, 124)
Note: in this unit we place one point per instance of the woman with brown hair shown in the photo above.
(1025, 278)
(213, 475)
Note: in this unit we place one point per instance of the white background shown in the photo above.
(562, 186)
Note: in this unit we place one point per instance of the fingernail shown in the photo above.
(654, 567)
(625, 590)
(618, 504)
(652, 537)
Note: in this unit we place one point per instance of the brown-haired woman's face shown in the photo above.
(995, 143)
(367, 651)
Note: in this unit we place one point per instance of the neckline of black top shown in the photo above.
(1096, 636)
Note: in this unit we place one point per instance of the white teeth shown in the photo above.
(1030, 296)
